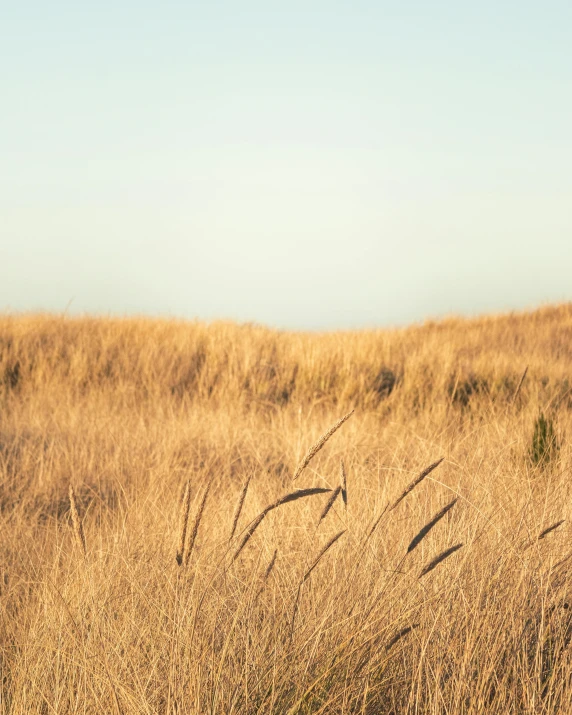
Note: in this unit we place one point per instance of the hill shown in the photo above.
(137, 595)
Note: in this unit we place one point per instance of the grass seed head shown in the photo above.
(315, 448)
(343, 482)
(298, 494)
(287, 498)
(427, 528)
(195, 530)
(249, 532)
(184, 521)
(330, 543)
(238, 510)
(440, 557)
(401, 634)
(329, 504)
(76, 521)
(550, 528)
(411, 486)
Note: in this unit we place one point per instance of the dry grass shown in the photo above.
(78, 526)
(285, 617)
(184, 523)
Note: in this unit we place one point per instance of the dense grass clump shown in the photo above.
(545, 446)
(228, 519)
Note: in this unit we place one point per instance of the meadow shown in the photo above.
(189, 524)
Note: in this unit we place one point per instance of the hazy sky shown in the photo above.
(303, 164)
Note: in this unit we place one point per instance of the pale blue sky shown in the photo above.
(302, 164)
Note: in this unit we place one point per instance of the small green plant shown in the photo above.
(545, 445)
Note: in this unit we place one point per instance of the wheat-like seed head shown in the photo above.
(375, 524)
(410, 487)
(270, 565)
(440, 557)
(292, 496)
(330, 543)
(298, 494)
(343, 482)
(329, 504)
(315, 448)
(519, 384)
(543, 533)
(562, 562)
(267, 573)
(398, 636)
(249, 532)
(427, 528)
(76, 521)
(238, 509)
(550, 528)
(184, 521)
(194, 531)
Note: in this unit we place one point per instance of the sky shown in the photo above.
(306, 165)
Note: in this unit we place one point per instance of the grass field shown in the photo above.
(138, 595)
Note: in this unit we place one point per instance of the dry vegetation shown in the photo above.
(157, 556)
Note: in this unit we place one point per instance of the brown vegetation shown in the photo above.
(131, 449)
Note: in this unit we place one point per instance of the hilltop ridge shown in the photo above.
(456, 359)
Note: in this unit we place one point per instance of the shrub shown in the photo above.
(545, 446)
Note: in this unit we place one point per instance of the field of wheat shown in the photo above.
(228, 519)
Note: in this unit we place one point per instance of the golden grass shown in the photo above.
(76, 521)
(184, 522)
(284, 617)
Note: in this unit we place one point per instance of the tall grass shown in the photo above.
(208, 584)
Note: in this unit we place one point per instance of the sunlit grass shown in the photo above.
(140, 596)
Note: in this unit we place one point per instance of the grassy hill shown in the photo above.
(274, 615)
